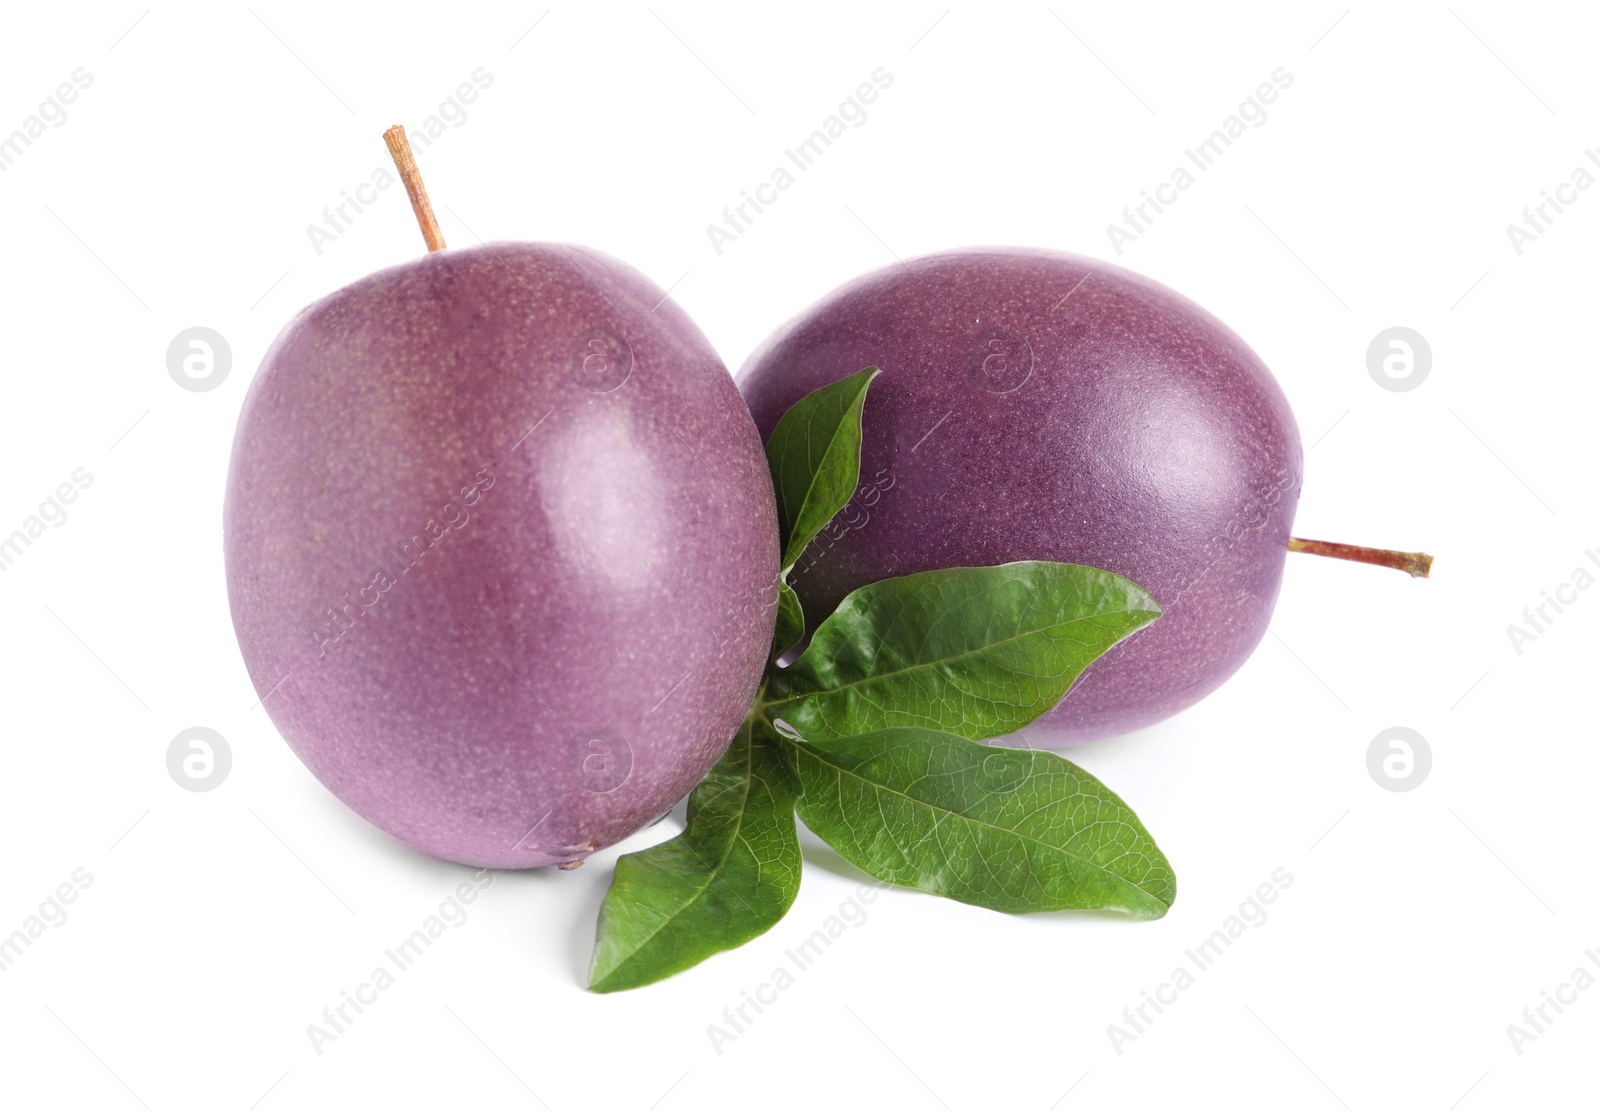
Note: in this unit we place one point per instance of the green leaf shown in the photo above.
(725, 879)
(1012, 830)
(977, 652)
(815, 457)
(791, 620)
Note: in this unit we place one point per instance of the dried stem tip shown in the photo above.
(400, 149)
(1414, 564)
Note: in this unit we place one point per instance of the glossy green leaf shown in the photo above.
(977, 652)
(815, 457)
(791, 620)
(1012, 830)
(728, 877)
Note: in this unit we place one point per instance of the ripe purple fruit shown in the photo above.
(501, 550)
(1040, 406)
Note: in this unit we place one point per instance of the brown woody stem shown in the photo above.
(400, 149)
(1415, 564)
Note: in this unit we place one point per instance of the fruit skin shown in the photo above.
(1036, 405)
(583, 613)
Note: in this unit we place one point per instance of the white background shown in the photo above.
(1378, 191)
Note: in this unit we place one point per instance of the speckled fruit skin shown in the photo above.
(1041, 406)
(505, 608)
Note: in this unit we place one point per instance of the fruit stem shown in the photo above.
(400, 149)
(1414, 564)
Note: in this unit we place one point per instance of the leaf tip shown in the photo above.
(605, 980)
